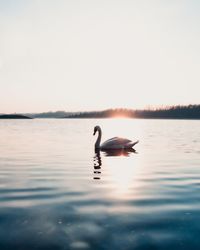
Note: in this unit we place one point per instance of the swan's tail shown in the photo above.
(131, 144)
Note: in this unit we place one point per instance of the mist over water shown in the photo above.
(57, 193)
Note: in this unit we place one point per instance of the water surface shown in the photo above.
(57, 193)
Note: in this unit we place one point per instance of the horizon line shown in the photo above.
(149, 107)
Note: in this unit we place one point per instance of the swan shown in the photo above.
(113, 143)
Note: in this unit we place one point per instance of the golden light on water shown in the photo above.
(122, 174)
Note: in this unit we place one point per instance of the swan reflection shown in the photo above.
(108, 153)
(97, 164)
(119, 152)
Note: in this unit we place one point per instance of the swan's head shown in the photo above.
(96, 128)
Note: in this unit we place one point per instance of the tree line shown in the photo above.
(172, 112)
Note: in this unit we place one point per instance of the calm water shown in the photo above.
(56, 193)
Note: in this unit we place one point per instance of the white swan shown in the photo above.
(113, 143)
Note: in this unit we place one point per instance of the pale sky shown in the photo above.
(95, 54)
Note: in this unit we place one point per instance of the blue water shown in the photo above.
(57, 193)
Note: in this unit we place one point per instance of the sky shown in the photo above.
(77, 55)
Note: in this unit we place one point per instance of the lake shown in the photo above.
(57, 193)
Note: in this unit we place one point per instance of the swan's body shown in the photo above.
(113, 143)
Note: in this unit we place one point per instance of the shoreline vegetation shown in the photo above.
(14, 116)
(170, 112)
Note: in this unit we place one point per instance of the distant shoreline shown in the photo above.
(130, 118)
(189, 112)
(13, 116)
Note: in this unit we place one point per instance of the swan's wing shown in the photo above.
(118, 139)
(131, 144)
(116, 142)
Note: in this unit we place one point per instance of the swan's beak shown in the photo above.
(94, 132)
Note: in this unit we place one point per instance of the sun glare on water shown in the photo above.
(122, 172)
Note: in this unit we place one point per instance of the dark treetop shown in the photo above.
(14, 116)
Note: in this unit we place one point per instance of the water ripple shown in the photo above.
(55, 193)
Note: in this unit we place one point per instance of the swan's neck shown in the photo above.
(98, 141)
